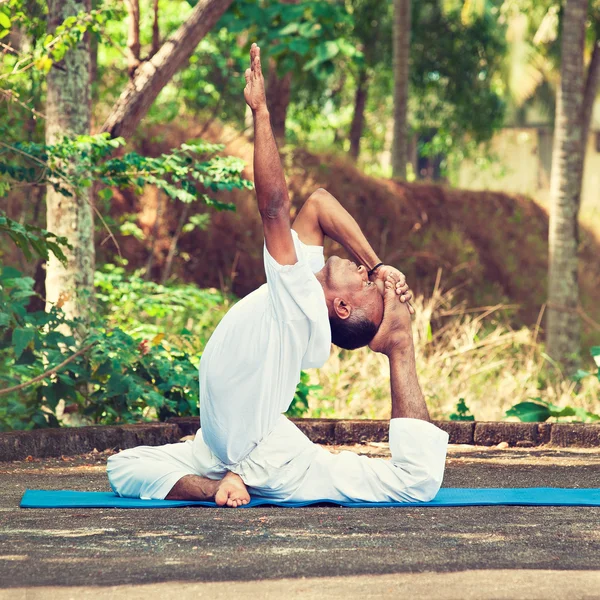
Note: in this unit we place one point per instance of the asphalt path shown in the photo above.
(315, 552)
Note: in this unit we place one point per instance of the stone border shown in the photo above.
(41, 443)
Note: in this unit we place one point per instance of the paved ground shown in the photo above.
(317, 552)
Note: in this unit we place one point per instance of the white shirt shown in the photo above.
(248, 377)
(251, 365)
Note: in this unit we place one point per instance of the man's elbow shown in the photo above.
(320, 195)
(277, 205)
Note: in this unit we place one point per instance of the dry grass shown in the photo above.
(461, 353)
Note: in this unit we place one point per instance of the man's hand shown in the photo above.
(400, 286)
(254, 92)
(395, 331)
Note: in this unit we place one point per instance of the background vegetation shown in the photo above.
(128, 224)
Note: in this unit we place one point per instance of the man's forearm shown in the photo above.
(269, 181)
(407, 397)
(337, 223)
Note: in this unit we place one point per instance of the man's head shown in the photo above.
(355, 304)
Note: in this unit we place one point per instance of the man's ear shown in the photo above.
(341, 309)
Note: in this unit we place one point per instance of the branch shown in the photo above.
(576, 311)
(11, 96)
(133, 36)
(155, 31)
(47, 374)
(152, 75)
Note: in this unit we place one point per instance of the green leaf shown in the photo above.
(567, 411)
(580, 374)
(21, 338)
(4, 21)
(9, 273)
(595, 352)
(105, 194)
(529, 412)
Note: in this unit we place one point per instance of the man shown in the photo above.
(251, 365)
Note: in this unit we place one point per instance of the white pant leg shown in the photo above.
(150, 472)
(414, 474)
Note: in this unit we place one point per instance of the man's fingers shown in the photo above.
(257, 65)
(247, 75)
(252, 55)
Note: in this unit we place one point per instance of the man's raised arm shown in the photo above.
(269, 181)
(323, 215)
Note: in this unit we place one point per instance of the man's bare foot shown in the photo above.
(232, 491)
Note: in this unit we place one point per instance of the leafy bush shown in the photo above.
(112, 378)
(462, 412)
(138, 362)
(181, 314)
(536, 409)
(299, 406)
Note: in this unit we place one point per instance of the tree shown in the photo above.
(563, 326)
(372, 32)
(401, 45)
(70, 213)
(153, 74)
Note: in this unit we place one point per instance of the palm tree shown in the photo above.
(563, 324)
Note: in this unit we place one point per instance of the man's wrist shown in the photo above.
(373, 270)
(402, 350)
(261, 112)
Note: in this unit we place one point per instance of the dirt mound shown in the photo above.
(491, 247)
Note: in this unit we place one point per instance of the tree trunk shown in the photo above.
(563, 325)
(401, 43)
(278, 100)
(358, 119)
(68, 113)
(133, 36)
(152, 75)
(592, 83)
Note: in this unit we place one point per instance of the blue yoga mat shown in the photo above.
(445, 497)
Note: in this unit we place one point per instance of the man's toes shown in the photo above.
(221, 498)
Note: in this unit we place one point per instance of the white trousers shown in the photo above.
(287, 466)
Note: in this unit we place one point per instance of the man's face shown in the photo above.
(351, 282)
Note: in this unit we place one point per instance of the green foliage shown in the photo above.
(76, 163)
(454, 75)
(120, 379)
(462, 412)
(33, 240)
(50, 48)
(581, 374)
(304, 37)
(539, 410)
(146, 341)
(299, 406)
(153, 311)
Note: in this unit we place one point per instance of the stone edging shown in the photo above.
(41, 443)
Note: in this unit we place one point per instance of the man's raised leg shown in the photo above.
(395, 340)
